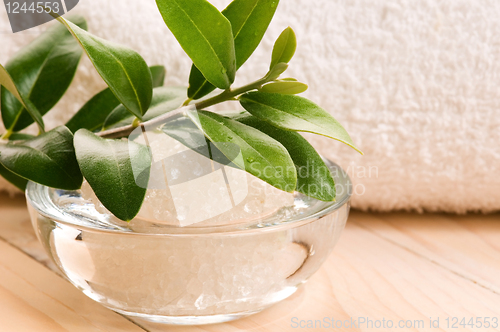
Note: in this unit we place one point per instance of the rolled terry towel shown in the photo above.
(416, 84)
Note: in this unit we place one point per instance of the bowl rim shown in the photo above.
(38, 198)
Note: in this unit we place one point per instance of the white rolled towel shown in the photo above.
(416, 84)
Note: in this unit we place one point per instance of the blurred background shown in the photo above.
(415, 83)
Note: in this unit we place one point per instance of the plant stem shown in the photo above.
(187, 102)
(127, 130)
(230, 94)
(136, 123)
(220, 98)
(7, 134)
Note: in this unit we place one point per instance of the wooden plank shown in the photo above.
(16, 229)
(466, 245)
(386, 266)
(375, 278)
(32, 298)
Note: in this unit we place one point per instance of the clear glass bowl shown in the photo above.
(188, 275)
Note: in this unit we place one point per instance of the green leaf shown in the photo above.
(7, 82)
(184, 130)
(205, 35)
(263, 156)
(295, 113)
(124, 70)
(43, 71)
(285, 87)
(119, 117)
(93, 114)
(165, 99)
(18, 181)
(48, 159)
(249, 21)
(20, 137)
(314, 179)
(276, 71)
(284, 48)
(107, 166)
(198, 84)
(158, 73)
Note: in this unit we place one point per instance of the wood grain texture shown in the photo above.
(378, 279)
(468, 246)
(398, 267)
(33, 298)
(16, 229)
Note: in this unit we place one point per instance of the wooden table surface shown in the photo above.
(388, 269)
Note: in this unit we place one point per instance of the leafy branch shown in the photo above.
(91, 146)
(226, 95)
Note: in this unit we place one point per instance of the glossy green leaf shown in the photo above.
(263, 156)
(198, 84)
(20, 137)
(11, 88)
(165, 99)
(205, 35)
(285, 87)
(119, 117)
(16, 180)
(48, 159)
(295, 113)
(158, 73)
(107, 166)
(43, 71)
(314, 179)
(124, 70)
(249, 21)
(94, 113)
(184, 130)
(276, 71)
(284, 48)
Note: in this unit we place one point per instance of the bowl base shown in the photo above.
(205, 320)
(188, 320)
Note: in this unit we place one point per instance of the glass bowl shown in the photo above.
(188, 275)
